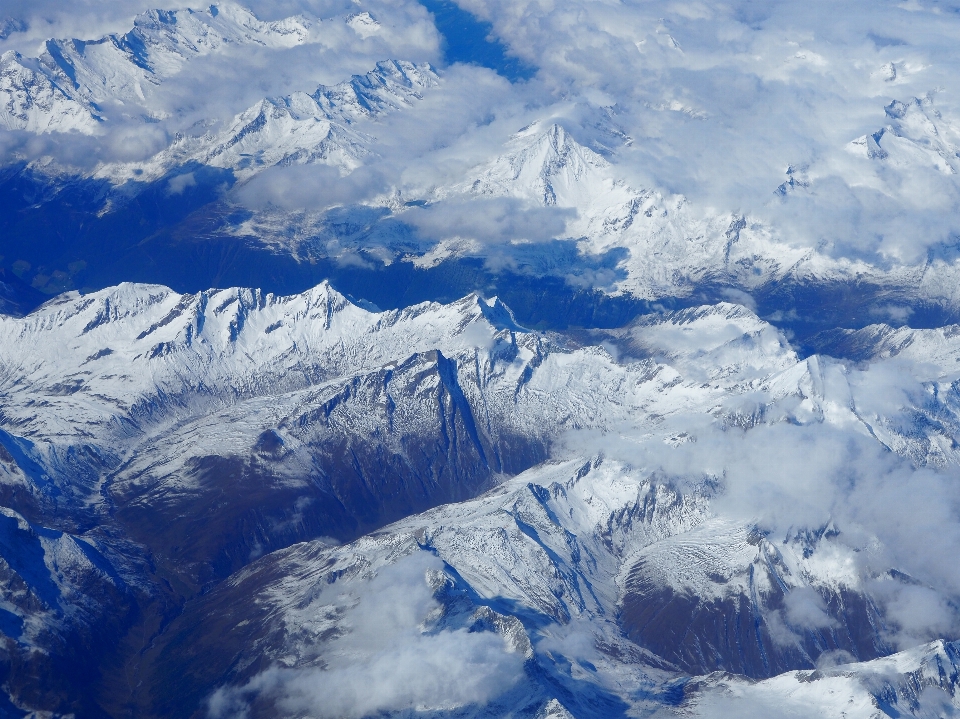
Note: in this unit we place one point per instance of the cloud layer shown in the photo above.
(838, 132)
(773, 463)
(387, 660)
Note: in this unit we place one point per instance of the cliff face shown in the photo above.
(193, 475)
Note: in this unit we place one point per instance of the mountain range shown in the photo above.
(640, 243)
(376, 360)
(191, 470)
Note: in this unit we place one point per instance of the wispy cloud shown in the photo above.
(790, 466)
(387, 660)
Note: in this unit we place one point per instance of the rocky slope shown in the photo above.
(708, 467)
(179, 447)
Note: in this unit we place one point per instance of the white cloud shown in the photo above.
(176, 185)
(756, 90)
(310, 186)
(208, 89)
(780, 85)
(388, 659)
(489, 220)
(805, 608)
(91, 19)
(789, 469)
(438, 672)
(416, 149)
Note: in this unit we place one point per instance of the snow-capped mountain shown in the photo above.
(917, 682)
(637, 242)
(670, 248)
(917, 134)
(296, 129)
(68, 85)
(669, 251)
(74, 85)
(136, 417)
(638, 393)
(547, 563)
(648, 244)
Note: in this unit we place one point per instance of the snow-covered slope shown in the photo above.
(730, 486)
(674, 249)
(296, 129)
(543, 564)
(35, 101)
(667, 250)
(918, 135)
(724, 597)
(643, 242)
(249, 422)
(586, 217)
(64, 607)
(920, 682)
(937, 347)
(83, 86)
(63, 89)
(534, 561)
(136, 363)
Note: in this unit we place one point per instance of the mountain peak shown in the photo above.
(498, 314)
(543, 163)
(64, 88)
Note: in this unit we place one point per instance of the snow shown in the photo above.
(910, 683)
(122, 68)
(671, 247)
(33, 101)
(692, 453)
(296, 129)
(152, 380)
(136, 362)
(541, 542)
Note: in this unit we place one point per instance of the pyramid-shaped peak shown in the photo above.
(492, 309)
(553, 137)
(498, 314)
(324, 293)
(542, 162)
(542, 128)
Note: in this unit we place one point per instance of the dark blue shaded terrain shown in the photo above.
(55, 237)
(469, 40)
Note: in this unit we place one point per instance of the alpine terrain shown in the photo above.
(479, 359)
